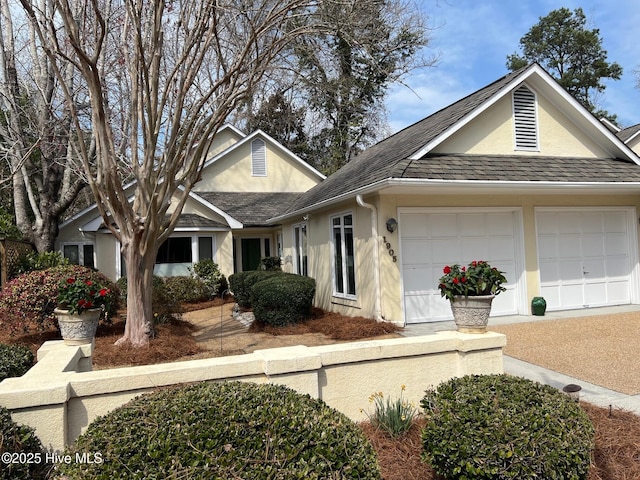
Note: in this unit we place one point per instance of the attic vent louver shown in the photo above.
(524, 116)
(258, 158)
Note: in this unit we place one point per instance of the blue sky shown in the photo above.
(474, 37)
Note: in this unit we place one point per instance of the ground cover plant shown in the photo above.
(225, 430)
(15, 360)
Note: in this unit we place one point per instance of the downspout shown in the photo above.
(376, 255)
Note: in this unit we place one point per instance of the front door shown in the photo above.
(251, 253)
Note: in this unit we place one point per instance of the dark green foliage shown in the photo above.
(27, 302)
(22, 442)
(209, 272)
(242, 283)
(164, 305)
(8, 228)
(15, 360)
(41, 261)
(283, 299)
(504, 427)
(570, 52)
(271, 263)
(225, 431)
(183, 289)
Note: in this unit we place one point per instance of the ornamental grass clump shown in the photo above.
(477, 278)
(227, 430)
(394, 417)
(502, 427)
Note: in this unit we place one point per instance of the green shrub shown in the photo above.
(283, 299)
(15, 360)
(271, 263)
(22, 442)
(208, 271)
(223, 431)
(27, 302)
(185, 289)
(504, 427)
(164, 306)
(41, 261)
(242, 283)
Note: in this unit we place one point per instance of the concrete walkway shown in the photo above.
(590, 393)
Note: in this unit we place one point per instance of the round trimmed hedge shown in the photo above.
(26, 458)
(504, 427)
(223, 431)
(242, 283)
(283, 299)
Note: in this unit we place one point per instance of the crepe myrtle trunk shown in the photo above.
(139, 325)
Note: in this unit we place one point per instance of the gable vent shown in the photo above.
(258, 158)
(524, 116)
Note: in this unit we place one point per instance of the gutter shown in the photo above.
(376, 256)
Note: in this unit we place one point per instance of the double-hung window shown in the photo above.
(300, 249)
(344, 271)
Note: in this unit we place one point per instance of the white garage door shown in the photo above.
(584, 257)
(431, 240)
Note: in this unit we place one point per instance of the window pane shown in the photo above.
(336, 221)
(348, 220)
(72, 253)
(205, 248)
(175, 250)
(87, 253)
(339, 279)
(267, 247)
(351, 267)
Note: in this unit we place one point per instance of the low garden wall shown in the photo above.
(60, 395)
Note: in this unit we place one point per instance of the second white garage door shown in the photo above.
(429, 240)
(585, 256)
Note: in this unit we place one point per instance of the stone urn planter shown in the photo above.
(78, 328)
(471, 313)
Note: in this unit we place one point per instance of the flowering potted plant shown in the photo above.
(478, 280)
(80, 303)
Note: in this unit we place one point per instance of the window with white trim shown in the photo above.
(79, 253)
(344, 270)
(525, 119)
(258, 158)
(300, 249)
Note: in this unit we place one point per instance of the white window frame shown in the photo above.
(343, 266)
(80, 245)
(300, 251)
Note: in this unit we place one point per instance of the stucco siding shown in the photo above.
(492, 133)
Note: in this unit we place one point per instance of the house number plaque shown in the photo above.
(391, 251)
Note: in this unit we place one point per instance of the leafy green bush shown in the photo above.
(20, 443)
(283, 299)
(271, 263)
(504, 427)
(394, 417)
(15, 360)
(208, 271)
(41, 261)
(185, 289)
(225, 430)
(27, 302)
(242, 283)
(163, 304)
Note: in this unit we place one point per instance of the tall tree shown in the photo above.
(162, 77)
(571, 53)
(36, 140)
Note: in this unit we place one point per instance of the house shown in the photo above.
(247, 179)
(517, 173)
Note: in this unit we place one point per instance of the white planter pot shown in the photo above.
(78, 328)
(471, 314)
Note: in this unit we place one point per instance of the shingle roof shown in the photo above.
(388, 158)
(627, 133)
(191, 220)
(252, 209)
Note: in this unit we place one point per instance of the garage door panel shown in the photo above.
(587, 262)
(414, 225)
(454, 238)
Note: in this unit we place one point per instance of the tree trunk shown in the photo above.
(139, 326)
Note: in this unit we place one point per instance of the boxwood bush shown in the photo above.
(242, 283)
(27, 302)
(21, 441)
(15, 360)
(209, 272)
(283, 299)
(504, 427)
(186, 289)
(224, 431)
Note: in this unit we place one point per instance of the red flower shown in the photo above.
(463, 279)
(71, 280)
(455, 280)
(82, 302)
(464, 269)
(88, 283)
(103, 292)
(447, 270)
(474, 264)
